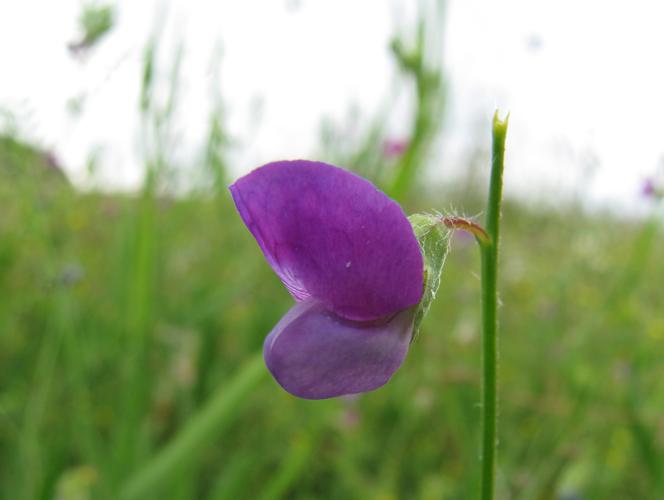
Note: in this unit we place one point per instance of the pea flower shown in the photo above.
(349, 257)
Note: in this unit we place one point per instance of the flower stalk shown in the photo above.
(489, 259)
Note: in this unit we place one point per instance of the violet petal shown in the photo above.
(332, 235)
(315, 354)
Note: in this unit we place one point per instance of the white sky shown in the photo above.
(583, 80)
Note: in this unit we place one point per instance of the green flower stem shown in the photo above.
(489, 256)
(200, 431)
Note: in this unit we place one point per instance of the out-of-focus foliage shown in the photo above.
(20, 162)
(394, 163)
(121, 316)
(126, 320)
(95, 21)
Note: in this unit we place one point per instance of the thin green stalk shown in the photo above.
(74, 363)
(31, 452)
(202, 429)
(296, 459)
(489, 256)
(129, 442)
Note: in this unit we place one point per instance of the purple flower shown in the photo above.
(648, 189)
(348, 255)
(393, 148)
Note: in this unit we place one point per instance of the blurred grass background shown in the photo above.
(131, 326)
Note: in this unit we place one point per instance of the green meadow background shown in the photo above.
(131, 328)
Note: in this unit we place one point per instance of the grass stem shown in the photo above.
(489, 257)
(200, 431)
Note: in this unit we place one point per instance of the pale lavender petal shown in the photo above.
(315, 354)
(331, 235)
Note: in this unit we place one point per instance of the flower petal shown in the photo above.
(315, 354)
(331, 235)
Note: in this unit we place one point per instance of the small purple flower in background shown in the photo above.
(52, 160)
(648, 189)
(394, 148)
(349, 256)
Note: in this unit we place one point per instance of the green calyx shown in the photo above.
(434, 240)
